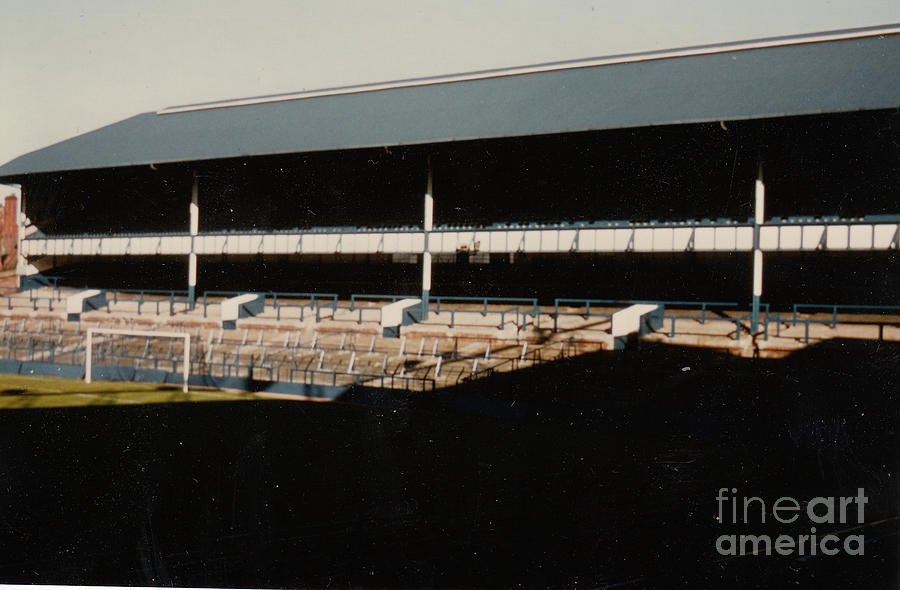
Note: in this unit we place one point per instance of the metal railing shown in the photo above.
(409, 382)
(317, 301)
(704, 306)
(736, 320)
(357, 297)
(838, 307)
(40, 280)
(769, 317)
(170, 296)
(22, 341)
(35, 302)
(522, 307)
(507, 364)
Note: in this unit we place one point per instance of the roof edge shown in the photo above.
(710, 48)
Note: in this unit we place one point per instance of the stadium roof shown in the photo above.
(799, 75)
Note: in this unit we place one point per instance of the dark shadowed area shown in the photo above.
(597, 471)
(825, 165)
(838, 164)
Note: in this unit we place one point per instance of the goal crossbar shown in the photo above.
(145, 333)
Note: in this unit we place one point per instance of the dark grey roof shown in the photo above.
(795, 79)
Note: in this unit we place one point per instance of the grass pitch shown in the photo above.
(22, 391)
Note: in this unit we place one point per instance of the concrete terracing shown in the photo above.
(345, 345)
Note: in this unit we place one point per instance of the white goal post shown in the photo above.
(145, 333)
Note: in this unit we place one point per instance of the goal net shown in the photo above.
(138, 349)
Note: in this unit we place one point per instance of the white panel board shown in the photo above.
(704, 239)
(885, 236)
(623, 239)
(605, 240)
(663, 239)
(744, 238)
(837, 237)
(643, 239)
(790, 238)
(813, 236)
(726, 238)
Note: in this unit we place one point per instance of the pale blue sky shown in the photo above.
(69, 66)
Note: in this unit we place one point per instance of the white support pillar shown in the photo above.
(759, 219)
(88, 347)
(192, 278)
(194, 230)
(426, 254)
(186, 369)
